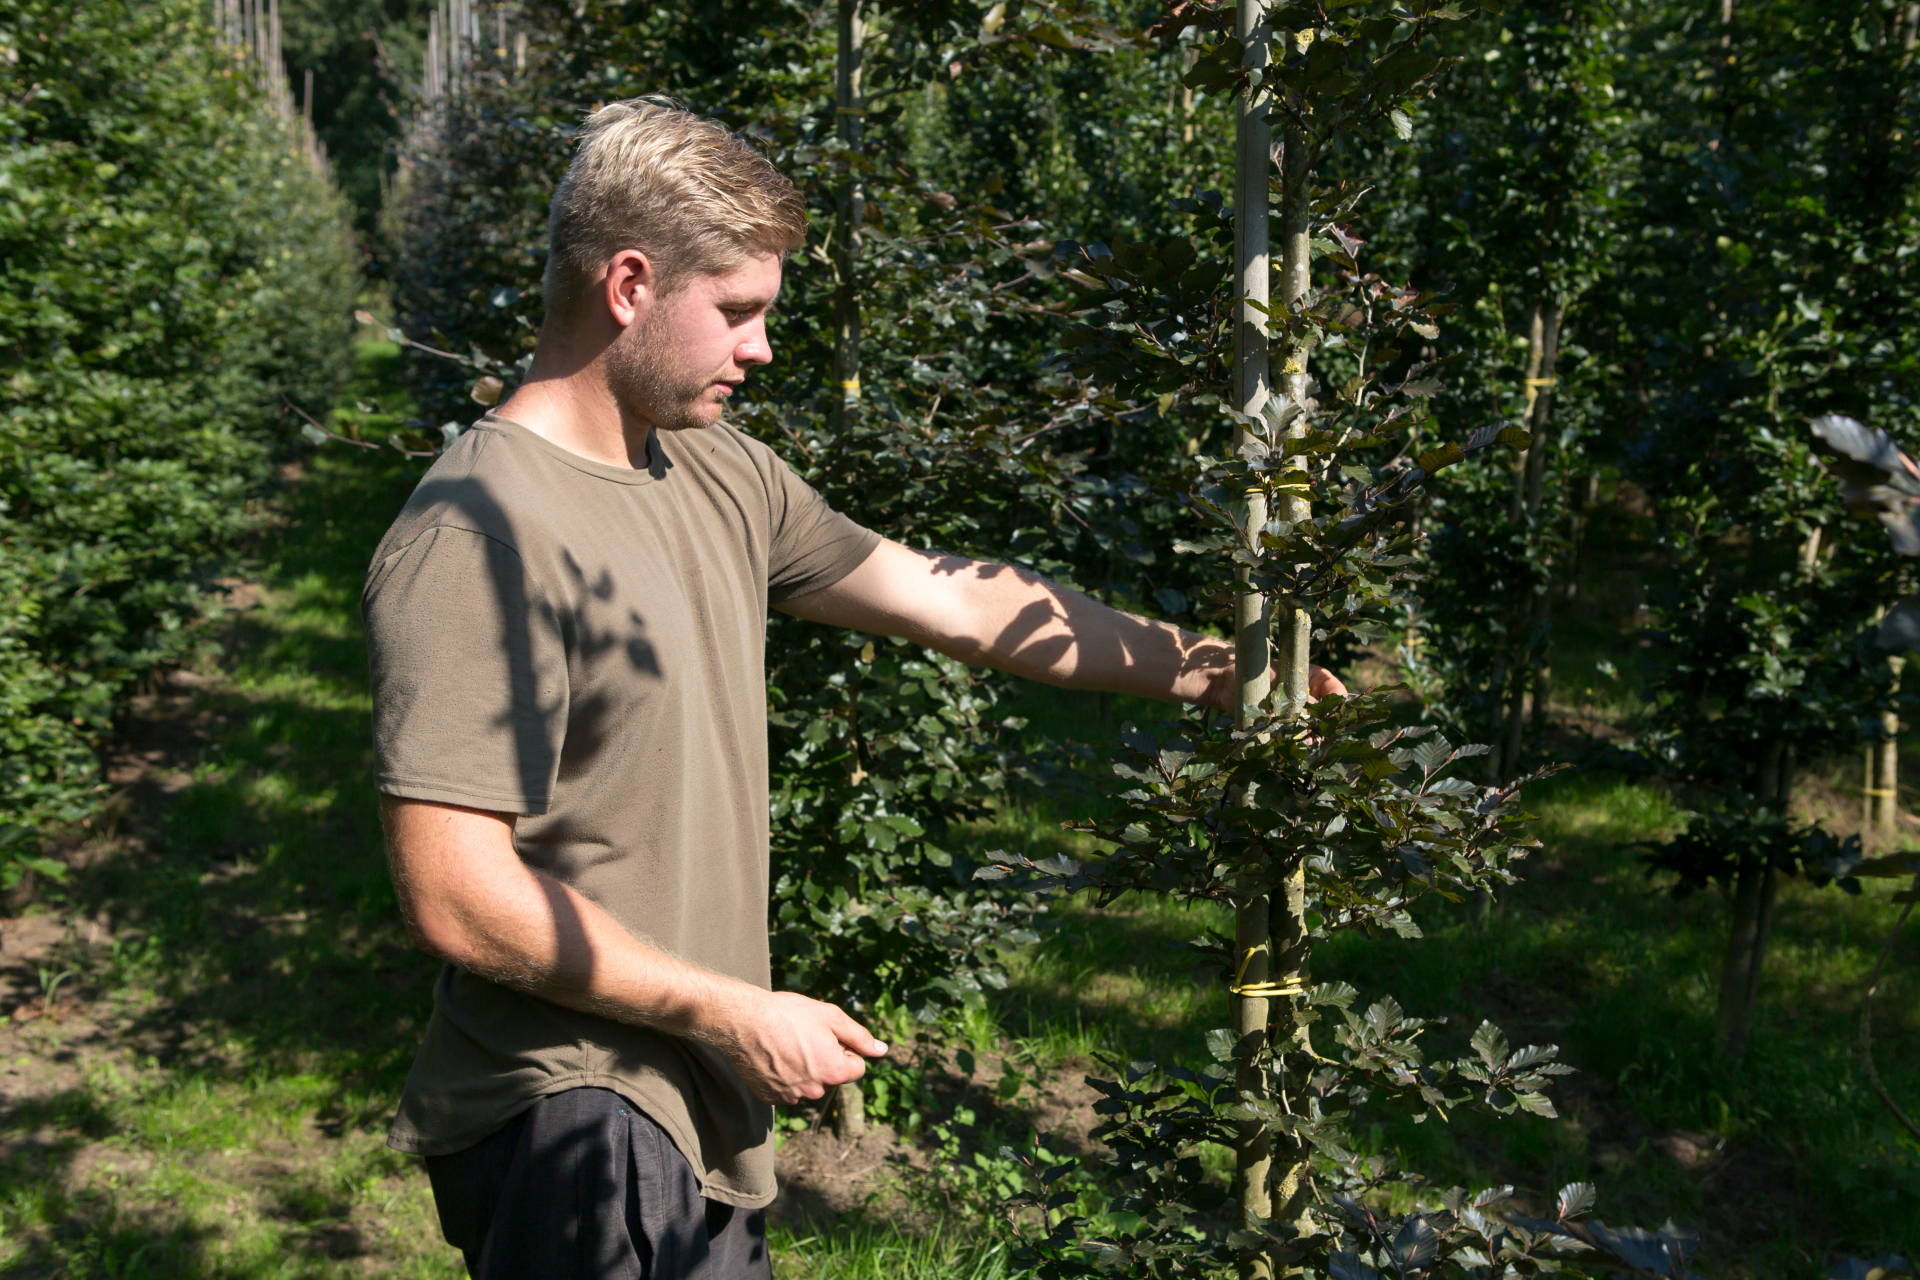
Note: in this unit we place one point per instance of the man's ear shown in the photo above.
(630, 287)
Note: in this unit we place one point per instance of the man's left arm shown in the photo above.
(996, 615)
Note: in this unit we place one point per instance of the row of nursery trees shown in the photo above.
(1331, 326)
(175, 265)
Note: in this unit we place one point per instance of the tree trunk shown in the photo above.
(846, 261)
(1589, 498)
(1252, 1156)
(1497, 691)
(1291, 942)
(1543, 670)
(847, 1110)
(1883, 784)
(1750, 915)
(1743, 924)
(1535, 615)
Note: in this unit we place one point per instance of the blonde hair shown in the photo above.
(691, 194)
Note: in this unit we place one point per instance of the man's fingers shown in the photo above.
(856, 1037)
(852, 1067)
(1322, 683)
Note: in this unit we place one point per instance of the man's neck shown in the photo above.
(567, 403)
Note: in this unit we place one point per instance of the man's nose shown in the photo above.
(754, 348)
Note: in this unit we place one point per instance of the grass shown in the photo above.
(864, 1251)
(251, 1012)
(1589, 954)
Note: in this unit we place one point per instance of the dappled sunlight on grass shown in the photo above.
(1602, 811)
(1118, 980)
(868, 1251)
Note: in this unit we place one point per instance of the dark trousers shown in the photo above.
(584, 1186)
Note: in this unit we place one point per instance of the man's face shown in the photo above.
(675, 366)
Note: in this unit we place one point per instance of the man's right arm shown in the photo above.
(469, 899)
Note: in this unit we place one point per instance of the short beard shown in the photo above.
(644, 382)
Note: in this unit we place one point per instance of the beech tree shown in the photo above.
(1519, 201)
(149, 337)
(1304, 818)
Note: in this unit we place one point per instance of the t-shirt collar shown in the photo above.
(658, 460)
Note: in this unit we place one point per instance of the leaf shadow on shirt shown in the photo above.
(546, 632)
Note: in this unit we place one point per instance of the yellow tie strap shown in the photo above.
(1263, 990)
(851, 387)
(1877, 791)
(1538, 382)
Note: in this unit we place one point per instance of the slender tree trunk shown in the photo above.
(1883, 774)
(1497, 691)
(1543, 670)
(1291, 942)
(846, 298)
(847, 1109)
(1750, 915)
(848, 1105)
(1869, 782)
(1870, 768)
(1744, 920)
(1589, 498)
(1535, 615)
(1252, 1155)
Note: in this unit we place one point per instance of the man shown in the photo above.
(566, 627)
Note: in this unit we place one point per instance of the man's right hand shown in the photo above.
(469, 899)
(791, 1049)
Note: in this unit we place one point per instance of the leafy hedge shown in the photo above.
(172, 269)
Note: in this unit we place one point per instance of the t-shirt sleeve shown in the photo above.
(813, 546)
(469, 675)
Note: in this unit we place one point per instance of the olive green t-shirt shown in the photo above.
(583, 645)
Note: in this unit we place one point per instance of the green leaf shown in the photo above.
(1491, 1044)
(1433, 460)
(1575, 1199)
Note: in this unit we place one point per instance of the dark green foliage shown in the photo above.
(1718, 196)
(173, 269)
(1774, 178)
(1716, 846)
(1511, 203)
(1781, 187)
